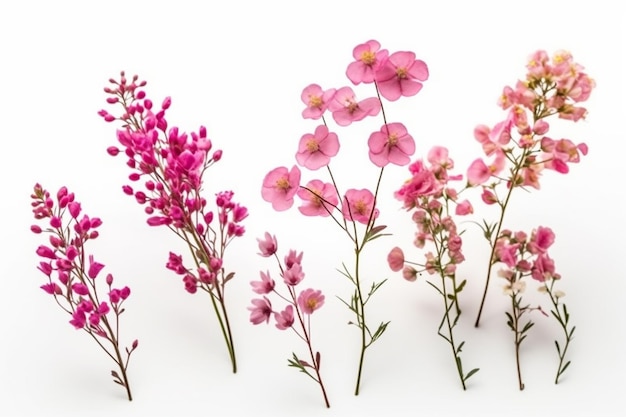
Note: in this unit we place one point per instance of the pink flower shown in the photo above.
(479, 172)
(346, 109)
(543, 268)
(395, 259)
(392, 144)
(52, 288)
(358, 205)
(400, 75)
(319, 199)
(293, 258)
(316, 101)
(315, 150)
(265, 286)
(540, 240)
(261, 310)
(495, 139)
(284, 319)
(94, 268)
(293, 275)
(310, 300)
(368, 57)
(46, 252)
(279, 187)
(463, 208)
(409, 273)
(268, 246)
(423, 183)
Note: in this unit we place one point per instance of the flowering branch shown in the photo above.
(72, 274)
(173, 165)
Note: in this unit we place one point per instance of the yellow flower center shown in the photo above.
(311, 303)
(312, 146)
(401, 72)
(316, 200)
(282, 184)
(392, 140)
(368, 57)
(315, 101)
(360, 207)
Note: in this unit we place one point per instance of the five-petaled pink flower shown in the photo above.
(368, 57)
(401, 75)
(316, 149)
(265, 286)
(261, 310)
(319, 199)
(268, 246)
(316, 101)
(346, 109)
(310, 300)
(358, 205)
(280, 186)
(392, 144)
(284, 319)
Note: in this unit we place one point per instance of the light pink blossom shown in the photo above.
(293, 275)
(392, 144)
(310, 300)
(260, 311)
(318, 198)
(358, 205)
(401, 75)
(280, 186)
(346, 109)
(268, 246)
(316, 101)
(284, 319)
(368, 58)
(265, 286)
(315, 150)
(395, 259)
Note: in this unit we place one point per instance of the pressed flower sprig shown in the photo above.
(353, 210)
(72, 275)
(528, 257)
(304, 303)
(431, 198)
(172, 165)
(553, 87)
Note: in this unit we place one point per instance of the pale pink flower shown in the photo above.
(316, 101)
(422, 183)
(409, 273)
(284, 319)
(346, 109)
(261, 310)
(401, 75)
(392, 144)
(395, 259)
(319, 199)
(495, 139)
(265, 286)
(293, 258)
(368, 57)
(540, 240)
(268, 246)
(310, 300)
(464, 208)
(358, 205)
(315, 150)
(479, 172)
(438, 156)
(543, 268)
(280, 186)
(293, 275)
(507, 253)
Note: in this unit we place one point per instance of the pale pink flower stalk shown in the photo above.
(168, 175)
(429, 196)
(518, 148)
(523, 257)
(354, 210)
(296, 315)
(73, 275)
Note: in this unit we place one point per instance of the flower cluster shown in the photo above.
(168, 168)
(394, 75)
(429, 195)
(72, 274)
(299, 305)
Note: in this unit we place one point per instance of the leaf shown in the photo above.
(558, 348)
(451, 297)
(461, 286)
(571, 332)
(229, 277)
(565, 367)
(381, 329)
(470, 373)
(374, 233)
(458, 349)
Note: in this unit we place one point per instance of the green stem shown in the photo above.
(360, 319)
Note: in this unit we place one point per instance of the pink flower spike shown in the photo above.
(368, 57)
(395, 259)
(358, 206)
(401, 75)
(268, 246)
(261, 310)
(316, 101)
(315, 150)
(392, 144)
(310, 300)
(284, 319)
(265, 286)
(319, 199)
(280, 186)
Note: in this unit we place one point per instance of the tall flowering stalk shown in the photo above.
(433, 202)
(352, 209)
(72, 275)
(523, 256)
(518, 147)
(168, 168)
(300, 305)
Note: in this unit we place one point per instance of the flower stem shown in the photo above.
(361, 321)
(515, 304)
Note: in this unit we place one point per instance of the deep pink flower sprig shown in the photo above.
(299, 305)
(168, 169)
(433, 201)
(521, 147)
(521, 257)
(74, 276)
(354, 209)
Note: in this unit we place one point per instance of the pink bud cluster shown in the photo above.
(72, 273)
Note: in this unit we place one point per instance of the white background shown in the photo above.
(239, 69)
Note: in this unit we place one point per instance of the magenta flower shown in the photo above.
(368, 57)
(293, 275)
(540, 240)
(268, 246)
(395, 259)
(315, 150)
(346, 109)
(279, 187)
(392, 144)
(316, 101)
(284, 319)
(261, 310)
(319, 199)
(310, 300)
(265, 286)
(94, 268)
(358, 205)
(401, 76)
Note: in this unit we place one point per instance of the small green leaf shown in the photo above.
(458, 349)
(461, 286)
(558, 348)
(470, 373)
